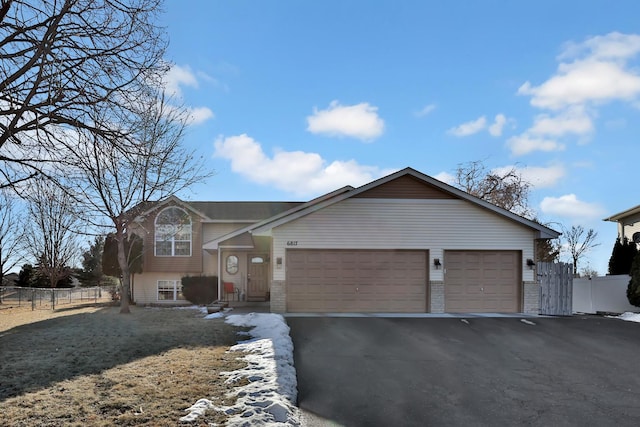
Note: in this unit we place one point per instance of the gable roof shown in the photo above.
(224, 211)
(348, 192)
(543, 232)
(213, 244)
(241, 211)
(622, 215)
(145, 208)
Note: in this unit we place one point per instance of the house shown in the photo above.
(403, 243)
(9, 279)
(628, 224)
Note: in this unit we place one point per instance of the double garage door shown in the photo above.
(356, 281)
(397, 281)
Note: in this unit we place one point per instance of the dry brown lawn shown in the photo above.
(90, 365)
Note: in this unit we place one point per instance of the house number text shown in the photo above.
(292, 243)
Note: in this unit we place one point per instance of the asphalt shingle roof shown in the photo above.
(241, 211)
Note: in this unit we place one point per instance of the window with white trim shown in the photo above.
(170, 290)
(173, 232)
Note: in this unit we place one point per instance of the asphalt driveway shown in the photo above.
(468, 372)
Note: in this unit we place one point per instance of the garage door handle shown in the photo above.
(481, 289)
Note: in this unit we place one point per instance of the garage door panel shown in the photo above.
(356, 280)
(482, 281)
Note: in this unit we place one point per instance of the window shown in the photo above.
(169, 290)
(173, 233)
(232, 264)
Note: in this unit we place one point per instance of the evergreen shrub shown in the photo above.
(633, 290)
(200, 290)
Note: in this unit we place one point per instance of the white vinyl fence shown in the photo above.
(606, 294)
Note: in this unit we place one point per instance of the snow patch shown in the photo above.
(268, 398)
(217, 315)
(198, 409)
(628, 316)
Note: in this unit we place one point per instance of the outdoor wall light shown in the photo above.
(530, 263)
(436, 262)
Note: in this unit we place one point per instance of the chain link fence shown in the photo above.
(50, 299)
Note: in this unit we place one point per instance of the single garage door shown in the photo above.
(356, 281)
(482, 281)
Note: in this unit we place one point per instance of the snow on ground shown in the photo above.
(629, 317)
(267, 400)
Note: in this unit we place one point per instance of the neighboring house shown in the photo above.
(9, 279)
(628, 224)
(403, 243)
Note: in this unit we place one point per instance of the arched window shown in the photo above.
(173, 232)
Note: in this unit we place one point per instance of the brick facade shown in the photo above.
(436, 297)
(531, 291)
(278, 296)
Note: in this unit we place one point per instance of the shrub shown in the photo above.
(633, 290)
(622, 256)
(200, 290)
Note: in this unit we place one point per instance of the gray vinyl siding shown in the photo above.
(435, 225)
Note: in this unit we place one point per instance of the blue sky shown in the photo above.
(293, 99)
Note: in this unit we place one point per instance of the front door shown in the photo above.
(258, 269)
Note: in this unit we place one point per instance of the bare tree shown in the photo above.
(62, 61)
(579, 243)
(52, 230)
(588, 272)
(504, 188)
(118, 180)
(11, 234)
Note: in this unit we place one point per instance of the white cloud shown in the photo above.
(359, 121)
(570, 207)
(525, 144)
(537, 176)
(298, 172)
(199, 115)
(582, 82)
(496, 128)
(573, 120)
(175, 79)
(446, 178)
(596, 72)
(469, 128)
(614, 45)
(426, 110)
(178, 76)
